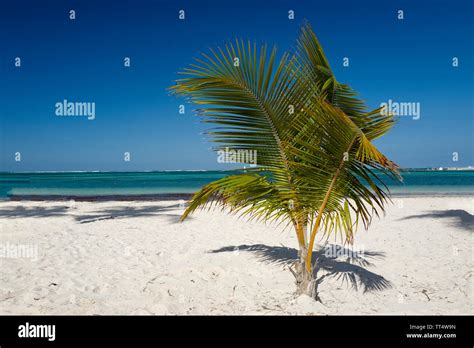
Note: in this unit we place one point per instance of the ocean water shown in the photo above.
(168, 184)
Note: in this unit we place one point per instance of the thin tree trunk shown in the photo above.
(304, 279)
(305, 283)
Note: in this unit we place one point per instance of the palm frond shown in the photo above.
(320, 157)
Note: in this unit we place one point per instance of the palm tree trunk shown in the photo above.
(304, 278)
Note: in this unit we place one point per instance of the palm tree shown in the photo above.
(317, 168)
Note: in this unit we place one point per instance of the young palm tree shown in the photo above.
(317, 168)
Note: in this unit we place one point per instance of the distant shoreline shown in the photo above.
(102, 198)
(167, 186)
(183, 196)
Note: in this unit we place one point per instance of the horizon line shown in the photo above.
(435, 168)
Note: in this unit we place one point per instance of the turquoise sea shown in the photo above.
(169, 184)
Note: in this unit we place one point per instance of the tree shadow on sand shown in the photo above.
(168, 212)
(349, 271)
(131, 212)
(460, 218)
(21, 212)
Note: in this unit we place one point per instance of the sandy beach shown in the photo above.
(137, 258)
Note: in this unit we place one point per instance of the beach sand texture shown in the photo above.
(137, 258)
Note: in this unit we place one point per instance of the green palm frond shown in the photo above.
(248, 195)
(317, 165)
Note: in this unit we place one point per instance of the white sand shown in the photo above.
(135, 258)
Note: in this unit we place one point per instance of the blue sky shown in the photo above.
(407, 60)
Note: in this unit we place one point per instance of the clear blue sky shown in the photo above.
(82, 60)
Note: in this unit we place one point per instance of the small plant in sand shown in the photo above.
(317, 168)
